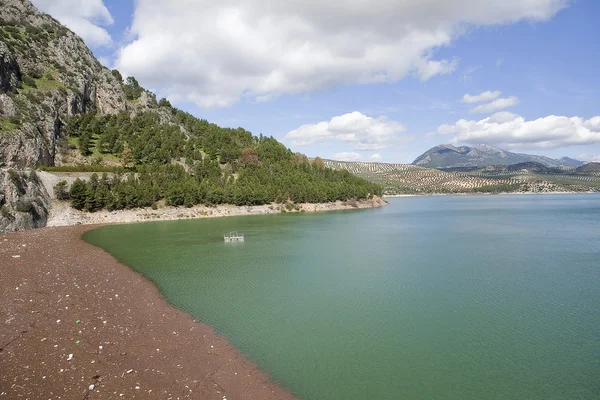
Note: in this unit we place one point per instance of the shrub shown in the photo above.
(97, 160)
(164, 103)
(23, 206)
(5, 212)
(60, 190)
(29, 81)
(117, 75)
(36, 73)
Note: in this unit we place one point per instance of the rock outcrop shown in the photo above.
(24, 202)
(10, 74)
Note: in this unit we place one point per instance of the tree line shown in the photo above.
(185, 161)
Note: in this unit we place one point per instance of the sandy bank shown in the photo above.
(63, 215)
(77, 324)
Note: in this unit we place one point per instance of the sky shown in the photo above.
(364, 80)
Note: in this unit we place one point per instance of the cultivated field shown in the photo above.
(411, 179)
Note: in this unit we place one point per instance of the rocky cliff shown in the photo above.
(46, 72)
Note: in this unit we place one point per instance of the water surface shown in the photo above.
(466, 297)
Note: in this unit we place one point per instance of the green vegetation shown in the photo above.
(86, 168)
(499, 188)
(9, 124)
(194, 162)
(60, 190)
(412, 179)
(131, 87)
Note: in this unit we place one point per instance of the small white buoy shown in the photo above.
(91, 387)
(70, 357)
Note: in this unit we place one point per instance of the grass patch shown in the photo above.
(45, 85)
(8, 125)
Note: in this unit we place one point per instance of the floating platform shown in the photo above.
(233, 237)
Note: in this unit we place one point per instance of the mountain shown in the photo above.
(61, 110)
(570, 162)
(481, 155)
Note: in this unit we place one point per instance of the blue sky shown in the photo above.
(380, 83)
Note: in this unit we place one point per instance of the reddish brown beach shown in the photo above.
(77, 324)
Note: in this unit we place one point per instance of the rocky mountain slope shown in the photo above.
(60, 108)
(481, 155)
(46, 72)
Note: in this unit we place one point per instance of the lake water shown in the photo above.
(466, 297)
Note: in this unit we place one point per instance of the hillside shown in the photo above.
(412, 179)
(529, 177)
(590, 168)
(60, 109)
(481, 155)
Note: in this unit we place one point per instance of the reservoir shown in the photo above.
(450, 297)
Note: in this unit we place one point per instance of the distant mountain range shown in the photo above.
(481, 155)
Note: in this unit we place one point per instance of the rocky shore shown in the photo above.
(63, 215)
(77, 324)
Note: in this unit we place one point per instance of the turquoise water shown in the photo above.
(466, 297)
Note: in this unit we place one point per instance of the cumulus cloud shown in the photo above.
(355, 128)
(214, 53)
(488, 95)
(84, 17)
(508, 130)
(589, 157)
(375, 157)
(498, 104)
(346, 156)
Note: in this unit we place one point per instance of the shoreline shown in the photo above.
(481, 194)
(61, 214)
(76, 323)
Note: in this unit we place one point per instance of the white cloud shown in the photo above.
(105, 61)
(355, 128)
(488, 95)
(589, 157)
(508, 130)
(375, 157)
(345, 156)
(214, 53)
(84, 17)
(498, 104)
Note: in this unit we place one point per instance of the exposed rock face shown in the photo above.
(24, 202)
(10, 74)
(46, 72)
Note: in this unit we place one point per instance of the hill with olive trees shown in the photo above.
(61, 110)
(528, 177)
